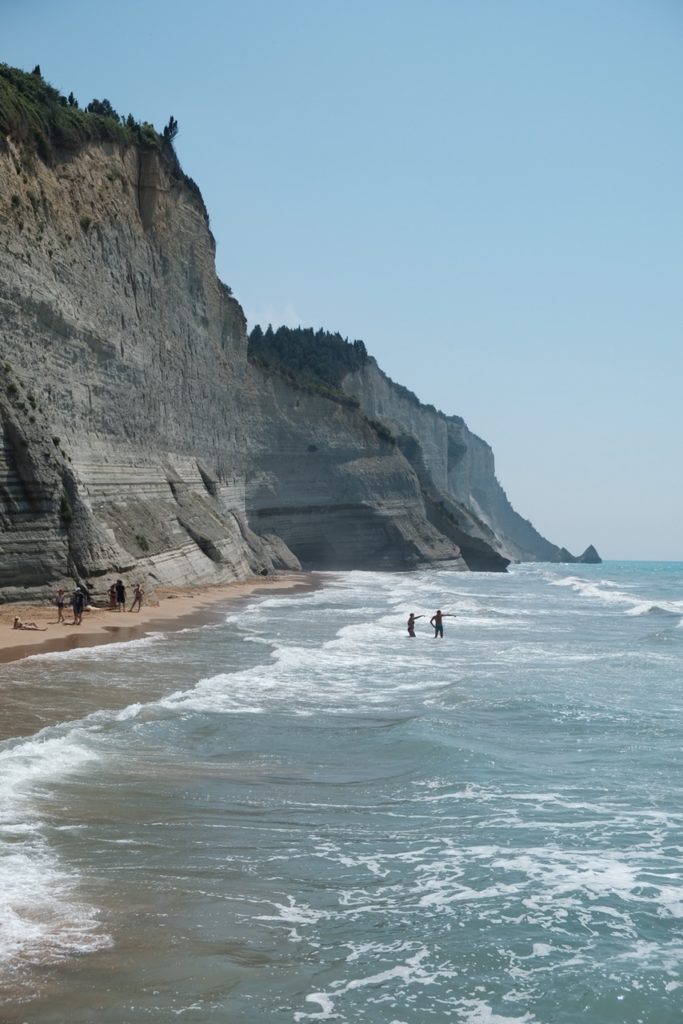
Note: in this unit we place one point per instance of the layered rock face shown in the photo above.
(338, 494)
(460, 465)
(122, 361)
(136, 439)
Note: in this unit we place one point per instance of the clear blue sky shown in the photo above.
(487, 192)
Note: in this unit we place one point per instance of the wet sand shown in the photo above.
(174, 608)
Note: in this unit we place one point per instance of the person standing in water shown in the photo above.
(412, 619)
(437, 622)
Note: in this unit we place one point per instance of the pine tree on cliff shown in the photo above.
(103, 108)
(316, 359)
(171, 129)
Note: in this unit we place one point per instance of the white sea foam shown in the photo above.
(293, 913)
(476, 1011)
(26, 763)
(608, 592)
(481, 807)
(345, 672)
(661, 608)
(100, 652)
(42, 915)
(412, 971)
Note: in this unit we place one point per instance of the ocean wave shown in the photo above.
(42, 915)
(413, 970)
(608, 592)
(100, 651)
(674, 608)
(26, 762)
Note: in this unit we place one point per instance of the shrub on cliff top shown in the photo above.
(35, 113)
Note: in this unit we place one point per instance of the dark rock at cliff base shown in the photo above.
(589, 557)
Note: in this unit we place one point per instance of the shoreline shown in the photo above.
(176, 608)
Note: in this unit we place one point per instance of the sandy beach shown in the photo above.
(173, 608)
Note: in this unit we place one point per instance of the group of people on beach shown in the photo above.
(80, 603)
(117, 597)
(436, 622)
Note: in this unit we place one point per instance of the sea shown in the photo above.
(293, 812)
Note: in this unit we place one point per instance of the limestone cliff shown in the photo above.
(459, 463)
(337, 492)
(122, 357)
(137, 439)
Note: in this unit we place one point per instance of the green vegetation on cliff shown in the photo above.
(35, 113)
(319, 361)
(39, 118)
(315, 360)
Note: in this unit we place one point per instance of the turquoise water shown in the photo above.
(298, 814)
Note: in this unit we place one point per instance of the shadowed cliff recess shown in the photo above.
(141, 434)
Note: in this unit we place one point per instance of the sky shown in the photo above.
(486, 192)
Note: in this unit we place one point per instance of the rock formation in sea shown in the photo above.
(136, 436)
(589, 556)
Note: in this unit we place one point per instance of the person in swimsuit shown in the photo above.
(60, 601)
(18, 624)
(138, 595)
(412, 619)
(437, 622)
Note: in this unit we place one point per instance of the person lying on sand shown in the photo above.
(18, 624)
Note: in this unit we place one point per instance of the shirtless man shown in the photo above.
(437, 622)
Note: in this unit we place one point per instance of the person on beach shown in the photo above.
(60, 601)
(437, 622)
(412, 619)
(120, 596)
(138, 595)
(112, 597)
(18, 624)
(78, 606)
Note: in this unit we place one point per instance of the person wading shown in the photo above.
(412, 619)
(437, 622)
